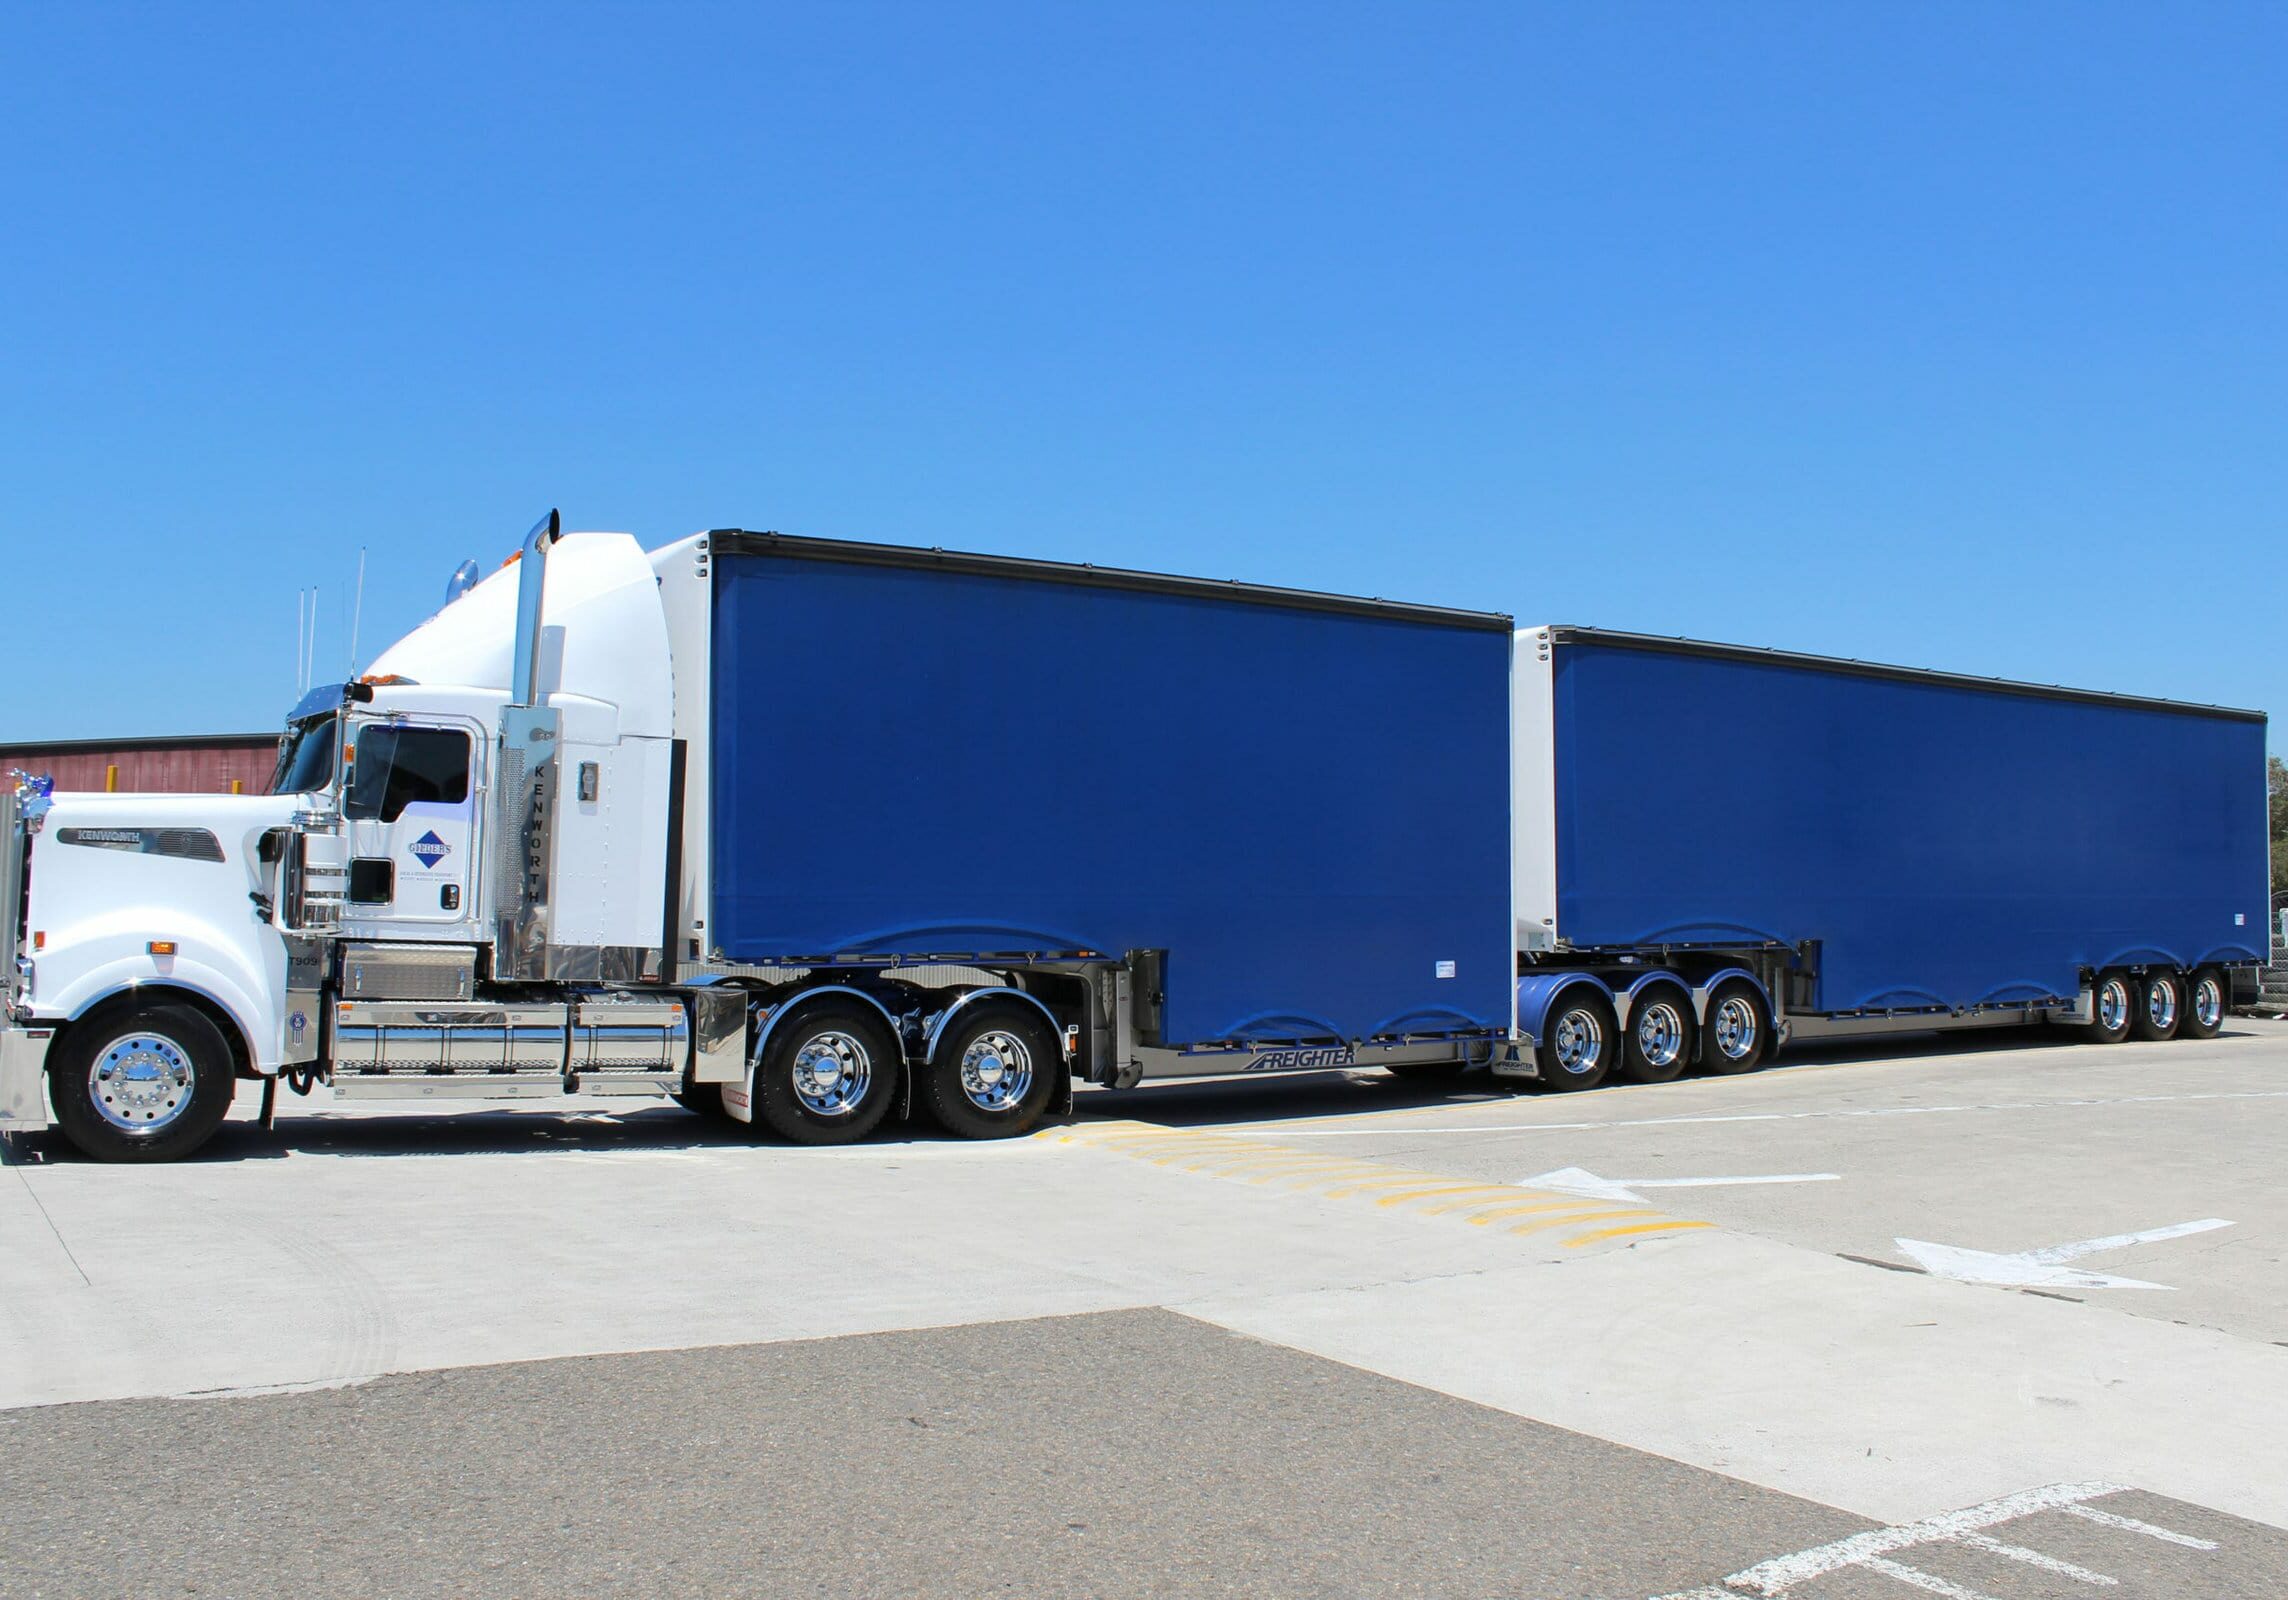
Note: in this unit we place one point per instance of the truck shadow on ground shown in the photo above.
(1297, 1098)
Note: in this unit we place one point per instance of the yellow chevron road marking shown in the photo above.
(1665, 1225)
(1543, 1224)
(1405, 1195)
(1312, 1174)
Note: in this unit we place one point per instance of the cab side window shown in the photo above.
(398, 766)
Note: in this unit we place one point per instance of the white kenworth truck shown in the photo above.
(800, 832)
(804, 832)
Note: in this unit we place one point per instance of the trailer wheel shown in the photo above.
(1732, 1039)
(142, 1082)
(828, 1077)
(2113, 1006)
(1580, 1040)
(2160, 1004)
(992, 1073)
(2206, 998)
(1659, 1042)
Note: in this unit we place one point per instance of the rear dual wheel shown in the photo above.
(2205, 1000)
(1659, 1043)
(2160, 1005)
(1580, 1040)
(1735, 1032)
(828, 1075)
(992, 1073)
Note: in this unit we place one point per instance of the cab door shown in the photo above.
(412, 806)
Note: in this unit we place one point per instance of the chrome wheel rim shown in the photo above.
(1736, 1028)
(2113, 1005)
(1578, 1043)
(996, 1071)
(2208, 1002)
(2161, 1004)
(832, 1072)
(142, 1082)
(1660, 1034)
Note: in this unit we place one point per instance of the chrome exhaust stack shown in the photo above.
(531, 580)
(525, 783)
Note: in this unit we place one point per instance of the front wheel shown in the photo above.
(142, 1083)
(992, 1073)
(1732, 1039)
(828, 1076)
(2205, 1005)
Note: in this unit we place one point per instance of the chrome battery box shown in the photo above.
(409, 971)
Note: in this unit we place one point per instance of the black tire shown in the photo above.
(2208, 995)
(165, 1066)
(1659, 1041)
(849, 1061)
(992, 1073)
(1580, 1041)
(2111, 1013)
(2160, 1004)
(1736, 1033)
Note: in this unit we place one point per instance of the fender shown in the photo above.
(1626, 1001)
(1536, 991)
(784, 1009)
(739, 1098)
(944, 1019)
(187, 976)
(1723, 975)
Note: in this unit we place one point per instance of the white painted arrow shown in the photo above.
(2045, 1268)
(1572, 1180)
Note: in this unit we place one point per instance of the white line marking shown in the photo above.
(2045, 1267)
(1388, 1122)
(1921, 1579)
(2035, 1558)
(1573, 1180)
(2109, 1519)
(1781, 1573)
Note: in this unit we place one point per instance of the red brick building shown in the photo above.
(204, 763)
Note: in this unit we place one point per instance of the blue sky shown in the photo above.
(1951, 335)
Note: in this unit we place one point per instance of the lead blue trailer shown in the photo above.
(1718, 850)
(1136, 826)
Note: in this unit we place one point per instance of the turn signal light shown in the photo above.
(39, 938)
(161, 947)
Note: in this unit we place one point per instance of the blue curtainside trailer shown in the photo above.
(1282, 815)
(1856, 849)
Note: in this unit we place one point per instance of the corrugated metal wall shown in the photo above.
(152, 766)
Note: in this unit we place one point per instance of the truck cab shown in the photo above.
(489, 804)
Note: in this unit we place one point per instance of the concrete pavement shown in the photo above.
(1347, 1231)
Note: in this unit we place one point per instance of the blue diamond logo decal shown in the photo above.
(430, 848)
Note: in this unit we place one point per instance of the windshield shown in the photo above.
(306, 756)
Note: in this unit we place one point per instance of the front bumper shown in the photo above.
(23, 1077)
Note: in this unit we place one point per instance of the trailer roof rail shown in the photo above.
(1758, 656)
(741, 541)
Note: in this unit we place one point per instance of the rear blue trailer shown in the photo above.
(1280, 815)
(1857, 848)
